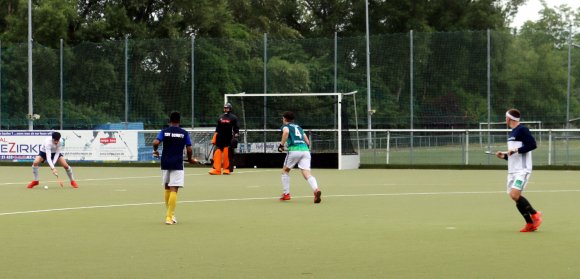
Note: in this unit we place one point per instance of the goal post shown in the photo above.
(324, 116)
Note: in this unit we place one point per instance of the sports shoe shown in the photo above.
(32, 184)
(226, 171)
(169, 221)
(215, 172)
(528, 228)
(74, 184)
(537, 218)
(285, 197)
(174, 220)
(317, 195)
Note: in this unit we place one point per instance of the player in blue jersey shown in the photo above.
(519, 157)
(297, 144)
(174, 140)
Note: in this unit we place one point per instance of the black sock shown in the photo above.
(523, 206)
(528, 206)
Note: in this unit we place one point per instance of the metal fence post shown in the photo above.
(126, 81)
(388, 146)
(550, 148)
(0, 85)
(265, 87)
(467, 148)
(488, 93)
(411, 92)
(30, 91)
(61, 84)
(192, 81)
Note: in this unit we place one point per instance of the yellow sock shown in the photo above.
(171, 205)
(167, 192)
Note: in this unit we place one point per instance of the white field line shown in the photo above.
(131, 177)
(272, 198)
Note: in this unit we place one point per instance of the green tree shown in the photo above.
(535, 76)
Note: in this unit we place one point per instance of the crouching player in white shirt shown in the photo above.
(50, 153)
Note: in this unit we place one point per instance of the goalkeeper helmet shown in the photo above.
(228, 105)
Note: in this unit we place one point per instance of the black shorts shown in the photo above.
(43, 155)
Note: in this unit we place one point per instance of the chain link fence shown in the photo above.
(417, 80)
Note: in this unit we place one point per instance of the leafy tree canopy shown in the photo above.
(101, 20)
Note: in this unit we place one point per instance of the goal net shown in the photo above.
(325, 118)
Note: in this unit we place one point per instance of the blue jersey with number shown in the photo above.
(174, 140)
(295, 139)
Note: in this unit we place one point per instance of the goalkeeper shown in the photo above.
(225, 140)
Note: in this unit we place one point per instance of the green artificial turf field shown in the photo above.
(370, 224)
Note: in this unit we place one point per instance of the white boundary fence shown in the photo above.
(438, 146)
(390, 146)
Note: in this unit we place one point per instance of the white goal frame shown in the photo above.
(344, 161)
(488, 126)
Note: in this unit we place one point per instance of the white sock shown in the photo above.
(313, 184)
(35, 173)
(70, 174)
(286, 183)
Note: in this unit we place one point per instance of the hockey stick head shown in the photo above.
(200, 162)
(205, 162)
(59, 181)
(489, 152)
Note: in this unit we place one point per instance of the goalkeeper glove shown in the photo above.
(281, 148)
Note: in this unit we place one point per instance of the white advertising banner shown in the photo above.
(21, 145)
(100, 145)
(85, 145)
(258, 147)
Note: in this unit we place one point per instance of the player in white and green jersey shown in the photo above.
(519, 157)
(298, 154)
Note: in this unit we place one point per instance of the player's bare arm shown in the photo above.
(156, 143)
(306, 139)
(189, 151)
(285, 133)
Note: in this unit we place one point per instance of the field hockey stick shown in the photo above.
(199, 162)
(126, 145)
(59, 181)
(184, 159)
(492, 152)
(489, 152)
(209, 155)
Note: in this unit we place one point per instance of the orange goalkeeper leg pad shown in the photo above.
(217, 162)
(226, 160)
